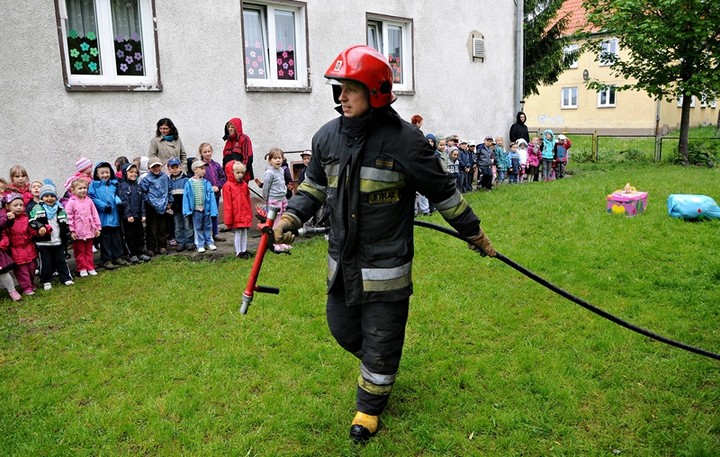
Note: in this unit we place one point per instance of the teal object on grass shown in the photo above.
(692, 207)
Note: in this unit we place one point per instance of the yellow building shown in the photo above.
(569, 106)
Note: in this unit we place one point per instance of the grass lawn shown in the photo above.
(156, 360)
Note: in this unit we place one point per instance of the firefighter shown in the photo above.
(366, 166)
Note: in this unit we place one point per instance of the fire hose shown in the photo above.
(579, 301)
(252, 283)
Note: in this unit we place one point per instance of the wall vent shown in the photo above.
(478, 48)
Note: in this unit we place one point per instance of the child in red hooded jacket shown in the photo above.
(237, 209)
(238, 147)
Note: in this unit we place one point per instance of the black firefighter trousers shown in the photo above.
(374, 333)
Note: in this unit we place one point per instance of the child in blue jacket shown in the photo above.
(156, 193)
(103, 192)
(199, 202)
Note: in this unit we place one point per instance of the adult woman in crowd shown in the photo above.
(166, 144)
(519, 129)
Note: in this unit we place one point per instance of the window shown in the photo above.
(569, 97)
(275, 46)
(570, 49)
(393, 38)
(608, 52)
(606, 98)
(692, 101)
(108, 44)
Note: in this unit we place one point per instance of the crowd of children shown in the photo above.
(130, 215)
(489, 164)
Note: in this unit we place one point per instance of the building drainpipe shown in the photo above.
(658, 134)
(519, 53)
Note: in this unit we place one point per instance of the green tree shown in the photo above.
(674, 49)
(544, 36)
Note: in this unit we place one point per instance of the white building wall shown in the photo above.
(46, 128)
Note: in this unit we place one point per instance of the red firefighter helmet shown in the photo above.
(368, 67)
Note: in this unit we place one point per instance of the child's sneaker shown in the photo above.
(29, 292)
(92, 272)
(15, 295)
(144, 258)
(212, 247)
(83, 273)
(282, 248)
(172, 242)
(47, 286)
(109, 265)
(134, 259)
(201, 250)
(69, 283)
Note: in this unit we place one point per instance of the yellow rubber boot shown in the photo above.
(363, 427)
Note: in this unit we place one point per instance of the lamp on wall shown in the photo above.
(586, 75)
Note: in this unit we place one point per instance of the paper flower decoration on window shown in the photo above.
(74, 53)
(90, 36)
(138, 56)
(128, 47)
(78, 65)
(129, 60)
(123, 67)
(84, 46)
(85, 58)
(93, 67)
(281, 73)
(139, 67)
(72, 33)
(94, 52)
(120, 54)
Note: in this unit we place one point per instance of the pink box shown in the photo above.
(627, 203)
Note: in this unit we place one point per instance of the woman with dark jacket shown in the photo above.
(519, 129)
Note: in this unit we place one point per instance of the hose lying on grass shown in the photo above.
(573, 298)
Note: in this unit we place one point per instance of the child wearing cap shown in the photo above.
(156, 193)
(561, 155)
(51, 247)
(183, 231)
(199, 203)
(103, 192)
(17, 241)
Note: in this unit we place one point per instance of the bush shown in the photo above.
(701, 153)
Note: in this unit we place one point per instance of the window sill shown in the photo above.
(304, 90)
(112, 88)
(568, 107)
(606, 107)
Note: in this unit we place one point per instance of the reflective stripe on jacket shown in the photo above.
(367, 171)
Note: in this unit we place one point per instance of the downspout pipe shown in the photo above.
(519, 53)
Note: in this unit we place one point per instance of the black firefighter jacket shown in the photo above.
(367, 170)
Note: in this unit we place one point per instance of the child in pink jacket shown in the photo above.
(84, 223)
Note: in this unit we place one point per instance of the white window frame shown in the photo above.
(609, 46)
(267, 11)
(610, 93)
(680, 101)
(567, 50)
(110, 80)
(566, 96)
(380, 24)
